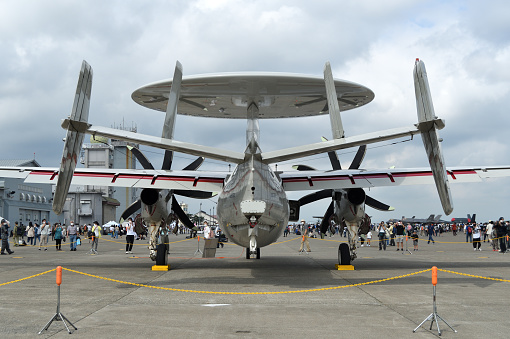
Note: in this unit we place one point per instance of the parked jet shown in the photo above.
(467, 220)
(431, 219)
(253, 208)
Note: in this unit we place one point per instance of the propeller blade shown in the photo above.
(327, 193)
(194, 165)
(131, 209)
(194, 194)
(333, 158)
(146, 164)
(183, 217)
(167, 160)
(327, 216)
(358, 158)
(303, 168)
(335, 163)
(377, 204)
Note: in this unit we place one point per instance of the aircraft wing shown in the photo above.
(159, 179)
(341, 179)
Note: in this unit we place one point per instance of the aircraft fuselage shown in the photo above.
(253, 209)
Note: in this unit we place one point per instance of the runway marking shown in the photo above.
(215, 305)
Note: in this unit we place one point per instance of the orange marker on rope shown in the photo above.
(434, 275)
(59, 275)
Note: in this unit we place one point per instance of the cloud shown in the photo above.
(465, 45)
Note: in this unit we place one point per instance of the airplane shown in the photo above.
(431, 219)
(467, 220)
(253, 208)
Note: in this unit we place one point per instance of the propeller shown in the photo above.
(146, 164)
(328, 193)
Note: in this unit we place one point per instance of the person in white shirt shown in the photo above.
(207, 231)
(130, 235)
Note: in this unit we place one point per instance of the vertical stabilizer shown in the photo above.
(428, 124)
(74, 138)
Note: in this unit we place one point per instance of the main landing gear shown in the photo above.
(249, 253)
(344, 255)
(162, 255)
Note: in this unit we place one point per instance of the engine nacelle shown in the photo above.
(349, 205)
(155, 205)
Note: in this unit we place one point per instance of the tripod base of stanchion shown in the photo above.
(434, 317)
(161, 267)
(344, 267)
(59, 317)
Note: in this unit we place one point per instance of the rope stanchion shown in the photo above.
(434, 316)
(59, 316)
(198, 247)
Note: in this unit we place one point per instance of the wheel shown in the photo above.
(344, 255)
(248, 254)
(162, 255)
(258, 253)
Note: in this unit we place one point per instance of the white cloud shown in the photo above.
(465, 44)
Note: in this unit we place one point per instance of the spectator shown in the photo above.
(96, 234)
(430, 231)
(58, 235)
(381, 231)
(477, 238)
(30, 233)
(5, 237)
(414, 236)
(45, 233)
(72, 232)
(501, 232)
(130, 235)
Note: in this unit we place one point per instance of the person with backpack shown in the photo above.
(469, 233)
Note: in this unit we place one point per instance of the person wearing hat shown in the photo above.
(5, 238)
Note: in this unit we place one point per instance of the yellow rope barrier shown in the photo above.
(30, 277)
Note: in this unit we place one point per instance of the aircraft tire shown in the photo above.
(344, 255)
(248, 254)
(258, 252)
(162, 254)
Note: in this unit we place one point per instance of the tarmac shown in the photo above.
(284, 294)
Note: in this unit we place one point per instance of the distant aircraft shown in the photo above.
(469, 219)
(253, 208)
(431, 219)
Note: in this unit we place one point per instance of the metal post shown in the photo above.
(434, 316)
(198, 247)
(58, 315)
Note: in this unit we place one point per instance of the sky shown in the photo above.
(464, 44)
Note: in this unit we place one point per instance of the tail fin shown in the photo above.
(428, 124)
(431, 217)
(74, 138)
